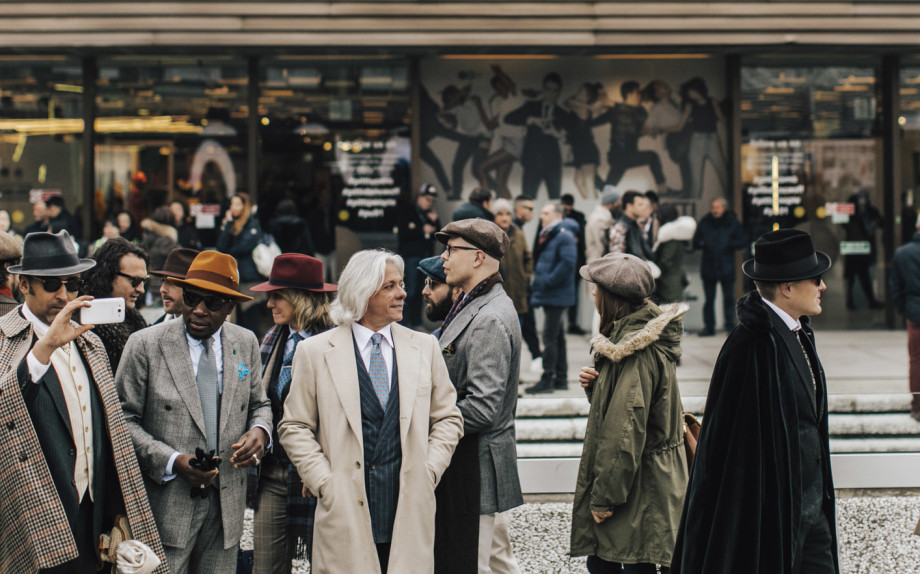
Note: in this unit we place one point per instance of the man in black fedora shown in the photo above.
(69, 465)
(761, 497)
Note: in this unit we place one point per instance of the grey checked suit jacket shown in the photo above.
(482, 349)
(162, 407)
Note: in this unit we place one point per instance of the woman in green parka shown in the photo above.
(633, 471)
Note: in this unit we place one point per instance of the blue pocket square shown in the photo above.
(244, 372)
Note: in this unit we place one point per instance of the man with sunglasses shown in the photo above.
(437, 294)
(195, 384)
(481, 343)
(120, 271)
(761, 498)
(68, 465)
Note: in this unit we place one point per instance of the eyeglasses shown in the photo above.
(527, 207)
(212, 302)
(451, 248)
(816, 280)
(431, 283)
(135, 281)
(53, 284)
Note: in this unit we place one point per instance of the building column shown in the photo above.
(88, 175)
(891, 170)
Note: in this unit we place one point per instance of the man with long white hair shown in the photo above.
(371, 423)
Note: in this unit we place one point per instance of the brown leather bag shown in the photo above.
(692, 428)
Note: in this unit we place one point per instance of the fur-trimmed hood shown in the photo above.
(681, 229)
(647, 326)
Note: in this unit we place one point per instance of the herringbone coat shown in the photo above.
(34, 532)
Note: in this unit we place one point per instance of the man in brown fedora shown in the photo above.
(175, 267)
(761, 497)
(68, 463)
(195, 384)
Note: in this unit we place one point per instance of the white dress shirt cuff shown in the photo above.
(267, 432)
(169, 474)
(36, 369)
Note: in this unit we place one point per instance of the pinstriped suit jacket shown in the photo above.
(163, 410)
(34, 530)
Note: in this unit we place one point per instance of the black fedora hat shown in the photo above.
(50, 255)
(785, 255)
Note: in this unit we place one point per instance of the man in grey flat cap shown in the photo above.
(481, 343)
(10, 254)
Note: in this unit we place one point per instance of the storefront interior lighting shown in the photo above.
(851, 79)
(68, 88)
(791, 79)
(851, 88)
(778, 90)
(652, 56)
(498, 57)
(157, 124)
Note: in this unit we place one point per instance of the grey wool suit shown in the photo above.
(159, 395)
(482, 349)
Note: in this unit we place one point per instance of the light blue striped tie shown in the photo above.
(378, 372)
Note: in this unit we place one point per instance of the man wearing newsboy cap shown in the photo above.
(481, 342)
(68, 463)
(196, 384)
(761, 497)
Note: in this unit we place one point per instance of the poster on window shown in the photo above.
(546, 127)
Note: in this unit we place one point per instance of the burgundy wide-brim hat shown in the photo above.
(785, 255)
(296, 271)
(177, 263)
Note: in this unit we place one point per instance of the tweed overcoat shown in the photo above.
(162, 406)
(482, 348)
(34, 532)
(322, 434)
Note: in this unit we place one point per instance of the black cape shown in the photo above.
(743, 508)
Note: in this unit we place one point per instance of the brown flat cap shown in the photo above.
(620, 274)
(177, 263)
(10, 247)
(483, 234)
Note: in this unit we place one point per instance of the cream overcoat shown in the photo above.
(321, 433)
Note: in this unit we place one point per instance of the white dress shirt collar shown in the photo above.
(363, 334)
(39, 326)
(793, 324)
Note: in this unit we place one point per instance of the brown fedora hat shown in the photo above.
(295, 271)
(216, 272)
(177, 263)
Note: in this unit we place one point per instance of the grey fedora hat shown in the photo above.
(50, 255)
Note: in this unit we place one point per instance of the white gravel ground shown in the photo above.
(876, 536)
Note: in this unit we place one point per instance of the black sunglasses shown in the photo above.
(53, 284)
(212, 302)
(135, 281)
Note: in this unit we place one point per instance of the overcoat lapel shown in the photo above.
(463, 319)
(791, 342)
(342, 371)
(407, 359)
(230, 344)
(175, 346)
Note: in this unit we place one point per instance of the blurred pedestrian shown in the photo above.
(417, 226)
(60, 218)
(633, 470)
(127, 228)
(523, 214)
(674, 238)
(478, 205)
(120, 271)
(175, 267)
(554, 291)
(626, 236)
(158, 239)
(862, 227)
(40, 216)
(109, 230)
(240, 234)
(195, 385)
(761, 492)
(517, 264)
(370, 423)
(10, 254)
(904, 289)
(598, 224)
(719, 234)
(568, 207)
(299, 302)
(72, 469)
(290, 230)
(188, 233)
(481, 342)
(6, 224)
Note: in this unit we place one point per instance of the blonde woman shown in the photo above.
(299, 302)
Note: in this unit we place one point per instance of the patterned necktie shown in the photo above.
(798, 337)
(378, 372)
(285, 377)
(207, 391)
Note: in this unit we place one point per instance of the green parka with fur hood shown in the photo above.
(633, 462)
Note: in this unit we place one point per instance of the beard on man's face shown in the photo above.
(438, 311)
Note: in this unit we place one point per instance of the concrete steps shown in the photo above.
(865, 423)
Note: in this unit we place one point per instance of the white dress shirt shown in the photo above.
(363, 339)
(793, 324)
(289, 344)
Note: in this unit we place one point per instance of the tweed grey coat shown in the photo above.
(482, 348)
(160, 399)
(34, 532)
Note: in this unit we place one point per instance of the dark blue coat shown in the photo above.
(241, 246)
(904, 281)
(719, 238)
(554, 272)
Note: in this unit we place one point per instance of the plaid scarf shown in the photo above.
(300, 510)
(483, 286)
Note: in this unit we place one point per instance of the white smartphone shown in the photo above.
(102, 311)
